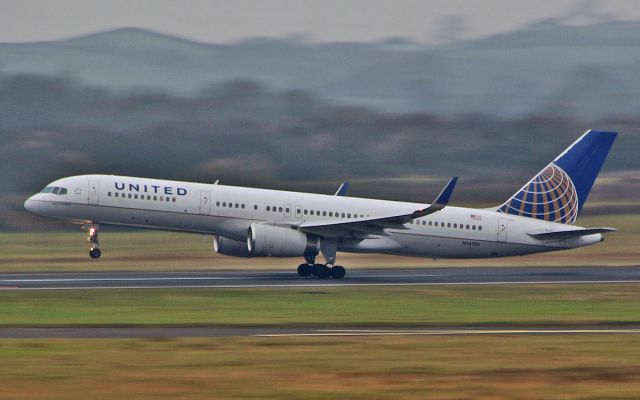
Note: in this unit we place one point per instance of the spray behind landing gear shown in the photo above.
(94, 250)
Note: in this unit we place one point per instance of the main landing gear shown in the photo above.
(323, 271)
(94, 250)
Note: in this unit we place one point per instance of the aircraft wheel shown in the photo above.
(95, 253)
(315, 268)
(304, 269)
(338, 272)
(323, 272)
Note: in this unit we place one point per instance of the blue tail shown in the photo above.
(558, 192)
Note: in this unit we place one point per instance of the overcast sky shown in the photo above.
(322, 20)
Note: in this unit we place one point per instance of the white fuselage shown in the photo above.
(229, 211)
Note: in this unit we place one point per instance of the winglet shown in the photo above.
(342, 190)
(445, 195)
(440, 202)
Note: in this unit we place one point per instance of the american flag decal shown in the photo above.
(550, 196)
(476, 217)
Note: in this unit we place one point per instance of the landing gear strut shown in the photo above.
(323, 271)
(94, 250)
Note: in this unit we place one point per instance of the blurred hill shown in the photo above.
(585, 70)
(394, 118)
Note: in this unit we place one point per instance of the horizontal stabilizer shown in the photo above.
(570, 233)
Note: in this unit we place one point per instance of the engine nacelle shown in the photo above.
(230, 247)
(277, 241)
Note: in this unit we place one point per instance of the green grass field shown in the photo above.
(418, 305)
(158, 251)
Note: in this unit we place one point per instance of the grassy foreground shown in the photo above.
(469, 367)
(417, 305)
(157, 251)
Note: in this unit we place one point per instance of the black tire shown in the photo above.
(315, 268)
(323, 272)
(95, 253)
(304, 269)
(338, 272)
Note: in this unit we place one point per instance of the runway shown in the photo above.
(355, 277)
(107, 332)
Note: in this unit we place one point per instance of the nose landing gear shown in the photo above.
(94, 250)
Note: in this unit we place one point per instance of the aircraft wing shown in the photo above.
(570, 233)
(364, 227)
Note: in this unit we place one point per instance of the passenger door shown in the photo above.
(205, 202)
(503, 229)
(94, 192)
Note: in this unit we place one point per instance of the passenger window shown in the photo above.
(342, 215)
(130, 195)
(455, 225)
(115, 194)
(255, 206)
(473, 227)
(173, 199)
(109, 194)
(148, 197)
(217, 204)
(448, 224)
(480, 227)
(135, 196)
(305, 212)
(242, 205)
(237, 205)
(348, 215)
(268, 208)
(155, 198)
(331, 213)
(430, 223)
(467, 226)
(311, 212)
(167, 199)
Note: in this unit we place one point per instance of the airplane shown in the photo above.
(248, 222)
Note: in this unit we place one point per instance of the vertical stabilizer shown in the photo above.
(558, 192)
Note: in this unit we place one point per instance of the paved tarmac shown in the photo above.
(355, 277)
(182, 332)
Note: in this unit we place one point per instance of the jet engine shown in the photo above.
(230, 247)
(277, 241)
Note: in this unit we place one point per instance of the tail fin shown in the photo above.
(558, 192)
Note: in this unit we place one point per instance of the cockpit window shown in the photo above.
(55, 190)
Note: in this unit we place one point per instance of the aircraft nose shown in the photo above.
(30, 205)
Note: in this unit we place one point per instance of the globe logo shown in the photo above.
(550, 196)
